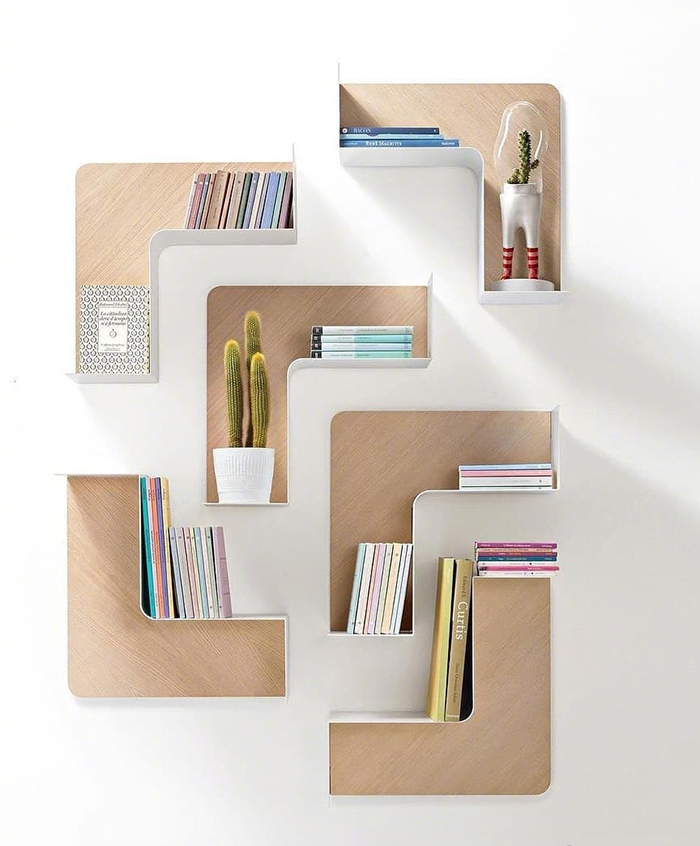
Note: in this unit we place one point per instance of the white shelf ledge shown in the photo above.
(379, 717)
(113, 378)
(521, 297)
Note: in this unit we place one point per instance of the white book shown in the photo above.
(344, 346)
(260, 189)
(505, 482)
(189, 202)
(401, 596)
(209, 576)
(362, 330)
(523, 574)
(185, 574)
(364, 588)
(388, 558)
(391, 589)
(355, 595)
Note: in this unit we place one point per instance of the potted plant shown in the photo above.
(244, 470)
(521, 194)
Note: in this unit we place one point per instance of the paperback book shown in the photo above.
(380, 584)
(508, 559)
(240, 200)
(361, 342)
(114, 329)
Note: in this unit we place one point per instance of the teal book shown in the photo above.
(356, 588)
(359, 354)
(148, 598)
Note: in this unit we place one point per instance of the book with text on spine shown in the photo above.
(360, 354)
(459, 626)
(389, 130)
(437, 684)
(423, 142)
(362, 330)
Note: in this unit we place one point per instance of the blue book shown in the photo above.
(196, 531)
(148, 562)
(251, 199)
(396, 137)
(359, 563)
(270, 198)
(390, 130)
(507, 558)
(167, 610)
(422, 142)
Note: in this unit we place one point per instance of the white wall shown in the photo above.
(145, 81)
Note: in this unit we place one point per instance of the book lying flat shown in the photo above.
(494, 474)
(361, 354)
(389, 130)
(362, 330)
(506, 482)
(376, 338)
(505, 467)
(419, 142)
(330, 346)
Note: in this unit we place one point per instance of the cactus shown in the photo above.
(521, 174)
(251, 331)
(259, 399)
(234, 393)
(258, 388)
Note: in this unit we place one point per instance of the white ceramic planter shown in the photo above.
(520, 285)
(244, 474)
(521, 208)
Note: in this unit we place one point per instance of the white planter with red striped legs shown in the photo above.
(521, 208)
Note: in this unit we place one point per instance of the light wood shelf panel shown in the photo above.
(114, 650)
(287, 313)
(472, 113)
(404, 454)
(120, 207)
(504, 748)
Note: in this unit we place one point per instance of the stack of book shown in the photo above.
(450, 686)
(240, 200)
(184, 574)
(500, 559)
(379, 588)
(394, 136)
(361, 341)
(473, 476)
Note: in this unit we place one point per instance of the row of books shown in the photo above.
(505, 476)
(184, 574)
(508, 560)
(361, 341)
(394, 136)
(450, 684)
(379, 588)
(240, 200)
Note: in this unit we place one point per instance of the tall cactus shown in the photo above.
(251, 331)
(521, 174)
(234, 393)
(259, 399)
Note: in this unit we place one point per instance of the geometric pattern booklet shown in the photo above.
(114, 329)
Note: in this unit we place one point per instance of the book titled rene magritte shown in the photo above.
(114, 329)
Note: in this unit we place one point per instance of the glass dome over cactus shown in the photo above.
(521, 145)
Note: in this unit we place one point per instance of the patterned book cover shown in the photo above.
(114, 329)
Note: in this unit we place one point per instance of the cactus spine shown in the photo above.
(251, 331)
(258, 387)
(259, 399)
(234, 393)
(521, 174)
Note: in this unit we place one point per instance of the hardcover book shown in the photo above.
(114, 329)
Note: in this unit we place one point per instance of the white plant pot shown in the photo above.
(519, 285)
(521, 208)
(244, 474)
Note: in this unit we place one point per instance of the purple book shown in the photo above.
(221, 567)
(286, 204)
(167, 612)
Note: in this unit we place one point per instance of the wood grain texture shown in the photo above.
(118, 208)
(287, 314)
(472, 113)
(381, 460)
(503, 748)
(113, 650)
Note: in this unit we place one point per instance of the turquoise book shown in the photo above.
(148, 598)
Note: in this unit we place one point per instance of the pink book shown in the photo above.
(371, 617)
(195, 200)
(486, 474)
(286, 204)
(512, 568)
(503, 545)
(221, 567)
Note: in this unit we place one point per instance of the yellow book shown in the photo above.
(165, 500)
(464, 568)
(437, 684)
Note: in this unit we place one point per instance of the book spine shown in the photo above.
(552, 557)
(355, 594)
(226, 202)
(278, 201)
(235, 200)
(163, 545)
(371, 551)
(192, 222)
(361, 354)
(525, 574)
(255, 176)
(212, 572)
(503, 545)
(402, 589)
(201, 573)
(209, 587)
(224, 588)
(202, 201)
(458, 638)
(361, 339)
(362, 330)
(193, 569)
(390, 130)
(388, 604)
(391, 136)
(270, 200)
(256, 219)
(146, 538)
(284, 222)
(247, 178)
(176, 604)
(377, 571)
(525, 566)
(177, 574)
(422, 142)
(190, 200)
(383, 588)
(217, 202)
(184, 573)
(437, 687)
(504, 467)
(331, 346)
(507, 482)
(490, 474)
(161, 584)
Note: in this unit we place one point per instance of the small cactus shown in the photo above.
(259, 399)
(521, 174)
(251, 331)
(234, 393)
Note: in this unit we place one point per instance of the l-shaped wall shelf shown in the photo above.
(114, 650)
(472, 113)
(287, 313)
